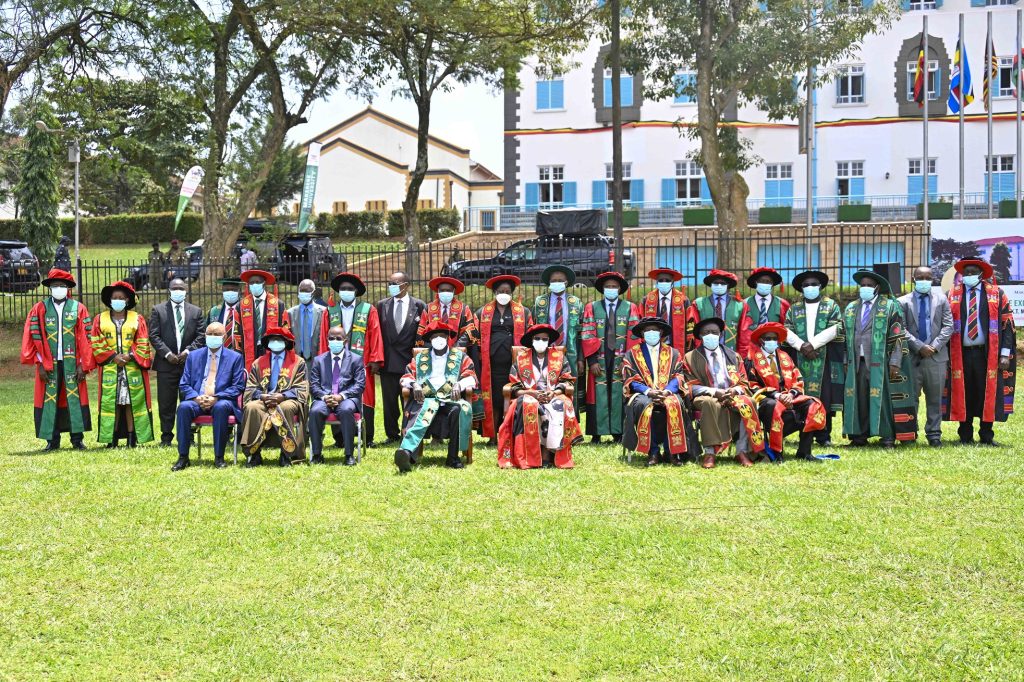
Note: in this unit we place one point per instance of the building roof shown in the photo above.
(370, 112)
(992, 241)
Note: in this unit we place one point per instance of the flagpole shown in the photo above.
(963, 55)
(924, 161)
(988, 109)
(1016, 86)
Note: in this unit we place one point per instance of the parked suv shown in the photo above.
(19, 267)
(588, 256)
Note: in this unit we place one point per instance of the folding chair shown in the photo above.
(331, 419)
(207, 420)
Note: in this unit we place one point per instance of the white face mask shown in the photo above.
(540, 345)
(439, 342)
(503, 299)
(59, 293)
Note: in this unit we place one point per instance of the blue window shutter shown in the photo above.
(915, 188)
(938, 4)
(543, 94)
(532, 195)
(785, 192)
(607, 92)
(771, 192)
(599, 193)
(668, 191)
(933, 186)
(557, 94)
(976, 3)
(626, 86)
(636, 191)
(857, 189)
(569, 194)
(905, 4)
(705, 191)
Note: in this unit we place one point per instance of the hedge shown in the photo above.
(435, 223)
(143, 228)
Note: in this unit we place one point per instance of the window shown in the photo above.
(377, 205)
(424, 203)
(1005, 77)
(339, 207)
(922, 4)
(552, 186)
(1003, 177)
(914, 166)
(1002, 164)
(850, 85)
(933, 79)
(850, 179)
(778, 184)
(550, 95)
(625, 88)
(609, 175)
(689, 177)
(915, 181)
(686, 86)
(779, 171)
(997, 3)
(487, 219)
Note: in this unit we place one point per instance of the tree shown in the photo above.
(743, 52)
(285, 178)
(1001, 260)
(946, 252)
(38, 187)
(430, 45)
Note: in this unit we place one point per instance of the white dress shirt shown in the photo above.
(817, 341)
(58, 306)
(655, 354)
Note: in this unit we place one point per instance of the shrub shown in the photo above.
(128, 228)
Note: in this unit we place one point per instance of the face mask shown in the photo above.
(446, 297)
(923, 286)
(652, 337)
(611, 294)
(867, 293)
(439, 342)
(971, 280)
(117, 305)
(214, 342)
(276, 346)
(305, 297)
(719, 289)
(540, 345)
(812, 293)
(336, 345)
(230, 297)
(347, 296)
(177, 295)
(771, 346)
(503, 299)
(763, 288)
(256, 289)
(556, 287)
(394, 289)
(664, 287)
(710, 341)
(59, 293)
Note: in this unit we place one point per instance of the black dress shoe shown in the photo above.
(858, 442)
(133, 440)
(594, 440)
(254, 461)
(318, 459)
(111, 445)
(182, 463)
(652, 460)
(50, 447)
(989, 443)
(350, 461)
(403, 460)
(935, 442)
(677, 460)
(220, 463)
(454, 463)
(78, 446)
(284, 461)
(166, 442)
(887, 444)
(548, 464)
(806, 457)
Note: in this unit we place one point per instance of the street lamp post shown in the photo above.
(74, 156)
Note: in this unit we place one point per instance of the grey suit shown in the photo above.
(294, 321)
(929, 373)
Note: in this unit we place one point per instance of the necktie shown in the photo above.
(763, 304)
(259, 320)
(717, 369)
(609, 327)
(444, 314)
(275, 373)
(972, 315)
(229, 319)
(922, 317)
(211, 375)
(399, 315)
(719, 307)
(865, 313)
(559, 315)
(336, 376)
(179, 319)
(663, 313)
(778, 370)
(304, 332)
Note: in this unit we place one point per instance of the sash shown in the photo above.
(733, 312)
(247, 309)
(518, 329)
(574, 309)
(357, 334)
(68, 323)
(761, 366)
(673, 405)
(434, 398)
(108, 342)
(679, 309)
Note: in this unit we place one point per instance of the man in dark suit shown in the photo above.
(176, 328)
(399, 314)
(336, 382)
(212, 380)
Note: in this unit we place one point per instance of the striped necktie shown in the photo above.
(973, 327)
(559, 314)
(763, 318)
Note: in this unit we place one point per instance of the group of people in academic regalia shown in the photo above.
(671, 379)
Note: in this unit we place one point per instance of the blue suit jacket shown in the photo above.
(353, 376)
(230, 375)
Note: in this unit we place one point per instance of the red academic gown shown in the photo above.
(521, 318)
(275, 317)
(679, 313)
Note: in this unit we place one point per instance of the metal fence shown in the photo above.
(838, 249)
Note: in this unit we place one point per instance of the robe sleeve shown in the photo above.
(591, 343)
(299, 387)
(325, 327)
(467, 374)
(634, 318)
(374, 349)
(102, 351)
(409, 378)
(83, 346)
(141, 350)
(692, 318)
(253, 388)
(743, 337)
(33, 350)
(1007, 332)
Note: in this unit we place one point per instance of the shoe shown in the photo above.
(392, 441)
(677, 461)
(858, 442)
(492, 442)
(807, 457)
(708, 462)
(989, 443)
(219, 463)
(616, 437)
(652, 460)
(133, 440)
(350, 461)
(966, 441)
(254, 461)
(827, 443)
(935, 442)
(111, 445)
(182, 463)
(78, 446)
(166, 442)
(888, 444)
(51, 447)
(595, 440)
(317, 459)
(403, 460)
(548, 463)
(454, 463)
(284, 461)
(743, 460)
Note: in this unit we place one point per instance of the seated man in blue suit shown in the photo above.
(211, 383)
(336, 382)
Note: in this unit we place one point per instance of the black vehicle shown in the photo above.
(19, 267)
(307, 255)
(588, 256)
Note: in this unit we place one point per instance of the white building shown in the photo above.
(366, 162)
(558, 148)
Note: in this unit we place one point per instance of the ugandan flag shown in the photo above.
(920, 88)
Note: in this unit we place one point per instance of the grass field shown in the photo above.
(904, 565)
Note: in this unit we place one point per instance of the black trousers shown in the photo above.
(167, 400)
(793, 420)
(445, 425)
(975, 368)
(391, 396)
(76, 438)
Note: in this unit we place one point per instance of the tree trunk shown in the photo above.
(733, 247)
(412, 193)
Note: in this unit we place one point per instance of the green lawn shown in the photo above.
(903, 565)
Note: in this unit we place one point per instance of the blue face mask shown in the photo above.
(276, 345)
(336, 345)
(719, 289)
(230, 297)
(923, 286)
(771, 346)
(611, 294)
(763, 288)
(710, 341)
(347, 296)
(556, 287)
(971, 280)
(446, 297)
(867, 293)
(177, 295)
(117, 305)
(214, 342)
(256, 289)
(305, 297)
(652, 337)
(664, 287)
(394, 289)
(812, 293)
